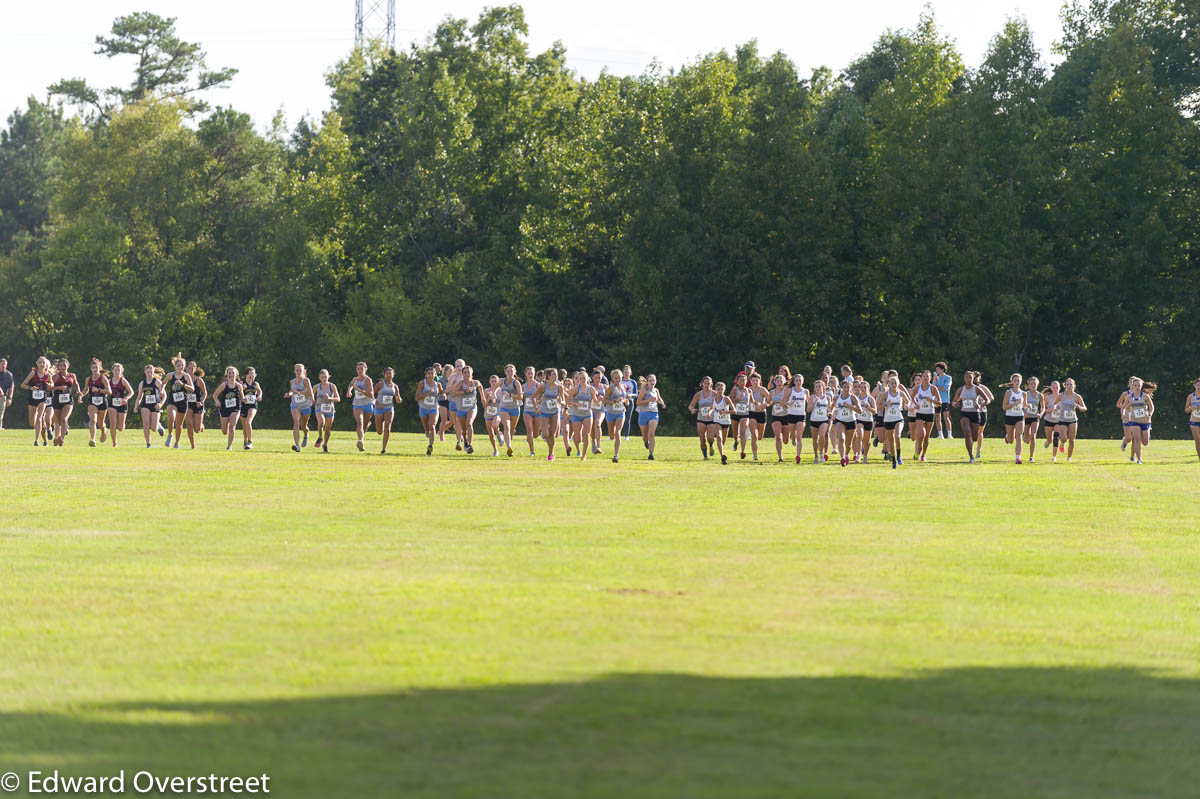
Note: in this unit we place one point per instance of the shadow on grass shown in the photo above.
(967, 732)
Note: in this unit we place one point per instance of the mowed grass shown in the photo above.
(454, 626)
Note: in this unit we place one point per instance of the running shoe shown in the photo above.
(510, 452)
(900, 461)
(1062, 447)
(645, 443)
(249, 445)
(362, 448)
(495, 453)
(167, 443)
(383, 452)
(147, 446)
(1068, 460)
(816, 458)
(650, 456)
(568, 452)
(724, 460)
(229, 447)
(893, 463)
(91, 443)
(970, 459)
(325, 448)
(1124, 443)
(824, 457)
(1139, 461)
(304, 443)
(429, 450)
(1054, 458)
(1018, 461)
(797, 459)
(549, 457)
(614, 460)
(1031, 457)
(176, 445)
(470, 450)
(457, 446)
(845, 461)
(875, 443)
(295, 448)
(161, 430)
(743, 453)
(318, 441)
(922, 459)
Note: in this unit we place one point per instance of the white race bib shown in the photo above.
(251, 399)
(492, 410)
(845, 414)
(97, 401)
(722, 418)
(64, 399)
(796, 405)
(385, 400)
(777, 409)
(652, 406)
(926, 406)
(1196, 415)
(191, 397)
(429, 400)
(529, 403)
(177, 396)
(466, 402)
(616, 407)
(1139, 413)
(38, 394)
(968, 404)
(741, 408)
(117, 402)
(551, 404)
(231, 400)
(506, 398)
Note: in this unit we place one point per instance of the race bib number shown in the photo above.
(796, 404)
(652, 406)
(326, 407)
(385, 400)
(926, 406)
(893, 409)
(191, 397)
(97, 400)
(177, 396)
(741, 408)
(616, 407)
(968, 404)
(1196, 415)
(777, 409)
(1068, 416)
(429, 400)
(845, 415)
(722, 418)
(64, 399)
(529, 403)
(491, 411)
(231, 401)
(506, 398)
(118, 402)
(39, 394)
(551, 404)
(467, 402)
(1139, 413)
(251, 399)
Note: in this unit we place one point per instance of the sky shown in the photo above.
(283, 50)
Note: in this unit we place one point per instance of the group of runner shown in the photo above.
(846, 414)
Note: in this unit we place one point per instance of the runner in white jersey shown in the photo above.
(1051, 414)
(967, 400)
(490, 399)
(779, 413)
(925, 398)
(1137, 404)
(846, 408)
(1013, 401)
(529, 412)
(722, 417)
(427, 397)
(864, 421)
(797, 408)
(820, 409)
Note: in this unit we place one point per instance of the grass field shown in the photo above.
(404, 626)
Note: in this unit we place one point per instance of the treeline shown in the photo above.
(469, 198)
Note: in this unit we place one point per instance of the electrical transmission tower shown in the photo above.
(375, 20)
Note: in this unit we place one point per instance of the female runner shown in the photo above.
(179, 385)
(797, 408)
(529, 412)
(1138, 405)
(228, 397)
(301, 395)
(387, 397)
(548, 399)
(986, 397)
(490, 399)
(1192, 408)
(864, 421)
(151, 392)
(1033, 415)
(760, 400)
(846, 408)
(702, 406)
(721, 419)
(614, 411)
(325, 398)
(64, 386)
(362, 391)
(428, 403)
(649, 401)
(911, 413)
(118, 401)
(252, 395)
(449, 381)
(564, 409)
(780, 425)
(1069, 405)
(97, 392)
(580, 397)
(739, 395)
(819, 406)
(466, 398)
(895, 398)
(967, 400)
(196, 403)
(1014, 403)
(1051, 415)
(925, 398)
(37, 383)
(596, 430)
(511, 395)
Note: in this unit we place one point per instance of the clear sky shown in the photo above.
(283, 49)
